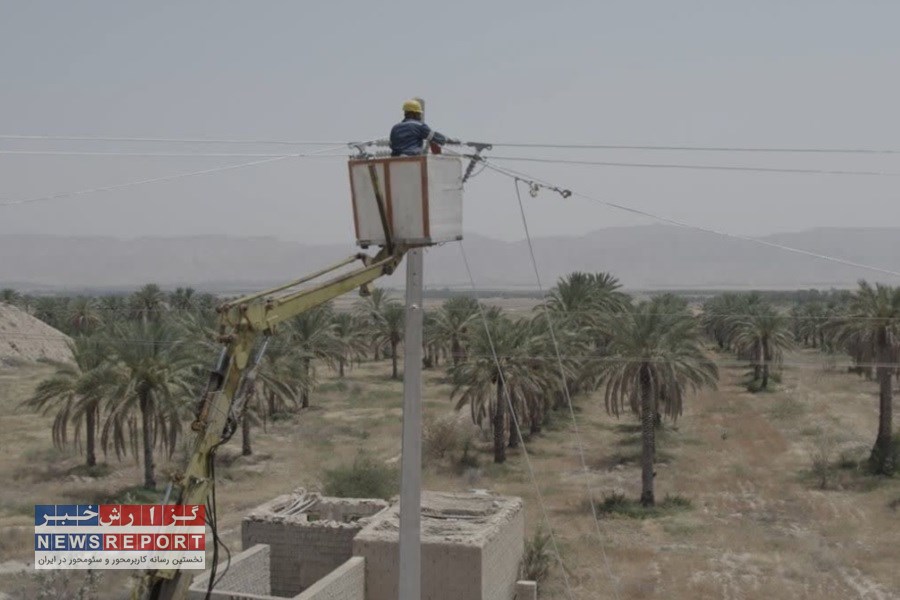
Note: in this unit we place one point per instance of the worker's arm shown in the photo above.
(438, 138)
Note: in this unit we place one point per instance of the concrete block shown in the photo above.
(347, 582)
(472, 545)
(526, 590)
(310, 536)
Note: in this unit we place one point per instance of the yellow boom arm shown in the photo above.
(241, 322)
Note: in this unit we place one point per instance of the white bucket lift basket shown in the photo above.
(422, 199)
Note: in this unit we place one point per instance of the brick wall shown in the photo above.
(302, 553)
(247, 578)
(501, 558)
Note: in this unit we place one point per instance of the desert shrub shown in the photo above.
(618, 504)
(822, 457)
(538, 557)
(365, 478)
(441, 437)
(675, 502)
(468, 458)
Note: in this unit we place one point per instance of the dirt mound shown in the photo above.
(26, 339)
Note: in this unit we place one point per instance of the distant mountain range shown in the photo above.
(647, 257)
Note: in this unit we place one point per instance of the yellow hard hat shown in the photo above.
(412, 106)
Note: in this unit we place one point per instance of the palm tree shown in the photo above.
(52, 311)
(183, 298)
(351, 338)
(489, 389)
(578, 305)
(83, 314)
(389, 330)
(431, 343)
(10, 296)
(579, 295)
(656, 357)
(763, 334)
(369, 307)
(452, 323)
(312, 336)
(75, 391)
(157, 385)
(720, 311)
(112, 307)
(278, 385)
(147, 303)
(872, 324)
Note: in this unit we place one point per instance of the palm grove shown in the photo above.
(138, 361)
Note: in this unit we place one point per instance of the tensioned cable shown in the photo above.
(148, 154)
(119, 186)
(845, 361)
(87, 138)
(160, 179)
(643, 213)
(760, 150)
(562, 161)
(512, 413)
(652, 147)
(600, 163)
(565, 387)
(558, 316)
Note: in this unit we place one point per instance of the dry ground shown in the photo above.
(759, 526)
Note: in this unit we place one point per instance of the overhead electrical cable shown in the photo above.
(91, 138)
(528, 178)
(159, 179)
(758, 150)
(548, 145)
(514, 418)
(738, 168)
(565, 386)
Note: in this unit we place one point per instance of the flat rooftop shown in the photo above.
(302, 507)
(465, 519)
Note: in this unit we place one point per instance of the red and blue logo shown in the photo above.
(119, 536)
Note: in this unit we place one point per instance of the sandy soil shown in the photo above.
(759, 526)
(26, 339)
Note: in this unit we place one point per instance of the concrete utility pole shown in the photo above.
(410, 584)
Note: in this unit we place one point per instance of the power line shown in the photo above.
(159, 179)
(565, 387)
(730, 168)
(528, 178)
(564, 146)
(845, 361)
(91, 138)
(759, 150)
(119, 186)
(143, 154)
(515, 420)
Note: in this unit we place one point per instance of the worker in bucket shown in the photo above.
(412, 136)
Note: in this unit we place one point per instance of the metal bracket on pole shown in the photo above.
(474, 158)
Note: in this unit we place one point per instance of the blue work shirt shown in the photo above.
(408, 137)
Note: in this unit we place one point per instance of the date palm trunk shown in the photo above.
(90, 423)
(145, 402)
(882, 459)
(499, 425)
(648, 437)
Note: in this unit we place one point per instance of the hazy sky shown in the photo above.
(803, 73)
